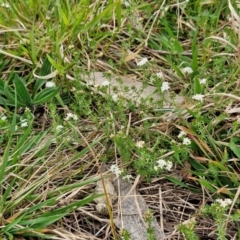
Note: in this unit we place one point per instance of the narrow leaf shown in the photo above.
(22, 92)
(45, 95)
(197, 86)
(234, 148)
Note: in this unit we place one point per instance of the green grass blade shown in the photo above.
(22, 92)
(45, 95)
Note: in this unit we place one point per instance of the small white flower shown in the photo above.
(151, 80)
(187, 70)
(142, 62)
(3, 118)
(155, 168)
(115, 97)
(5, 5)
(186, 141)
(71, 46)
(50, 84)
(224, 203)
(165, 86)
(169, 165)
(112, 135)
(203, 81)
(75, 117)
(127, 3)
(160, 75)
(140, 144)
(161, 163)
(27, 109)
(24, 124)
(181, 134)
(127, 177)
(90, 83)
(198, 97)
(71, 116)
(59, 128)
(105, 83)
(116, 170)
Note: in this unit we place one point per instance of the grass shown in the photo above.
(55, 139)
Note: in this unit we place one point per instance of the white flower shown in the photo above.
(161, 163)
(169, 165)
(24, 124)
(5, 5)
(127, 3)
(112, 135)
(142, 62)
(187, 70)
(165, 86)
(186, 141)
(105, 83)
(3, 118)
(71, 115)
(160, 75)
(181, 134)
(155, 168)
(50, 84)
(198, 97)
(59, 128)
(116, 170)
(90, 83)
(115, 97)
(75, 117)
(127, 177)
(224, 203)
(203, 81)
(140, 144)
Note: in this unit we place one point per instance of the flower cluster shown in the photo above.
(59, 128)
(186, 140)
(116, 170)
(187, 70)
(165, 86)
(203, 81)
(127, 177)
(140, 144)
(160, 75)
(142, 62)
(5, 5)
(115, 97)
(181, 134)
(105, 83)
(71, 116)
(224, 203)
(198, 97)
(3, 118)
(163, 164)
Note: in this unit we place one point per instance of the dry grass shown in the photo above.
(164, 33)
